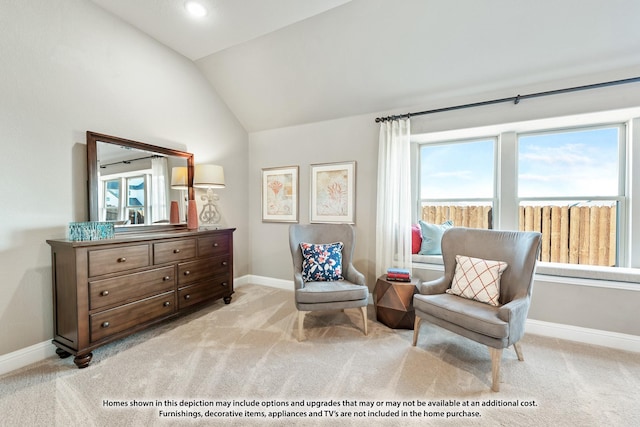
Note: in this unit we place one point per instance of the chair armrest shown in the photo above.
(354, 276)
(434, 287)
(515, 314)
(514, 311)
(298, 283)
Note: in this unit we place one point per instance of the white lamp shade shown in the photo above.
(208, 176)
(179, 178)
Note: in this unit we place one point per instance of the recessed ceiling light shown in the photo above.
(195, 9)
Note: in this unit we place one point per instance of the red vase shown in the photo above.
(174, 216)
(192, 215)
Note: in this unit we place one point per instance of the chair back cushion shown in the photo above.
(519, 249)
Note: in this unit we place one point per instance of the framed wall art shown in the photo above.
(333, 192)
(280, 194)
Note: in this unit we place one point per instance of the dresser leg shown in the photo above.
(82, 361)
(62, 354)
(227, 300)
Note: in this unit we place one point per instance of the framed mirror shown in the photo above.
(138, 186)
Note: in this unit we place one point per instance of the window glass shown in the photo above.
(457, 183)
(583, 167)
(572, 163)
(457, 170)
(136, 192)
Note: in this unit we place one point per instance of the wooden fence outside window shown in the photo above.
(570, 234)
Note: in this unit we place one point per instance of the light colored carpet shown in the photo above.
(247, 353)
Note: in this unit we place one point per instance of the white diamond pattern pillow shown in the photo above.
(477, 279)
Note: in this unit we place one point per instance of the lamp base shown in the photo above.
(210, 214)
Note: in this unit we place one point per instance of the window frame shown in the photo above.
(507, 200)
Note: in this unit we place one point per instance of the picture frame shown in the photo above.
(333, 192)
(280, 194)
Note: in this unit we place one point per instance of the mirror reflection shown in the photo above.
(136, 184)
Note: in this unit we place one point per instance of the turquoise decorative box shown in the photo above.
(91, 230)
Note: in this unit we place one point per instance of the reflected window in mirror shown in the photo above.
(132, 183)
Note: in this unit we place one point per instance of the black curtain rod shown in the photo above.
(126, 162)
(515, 99)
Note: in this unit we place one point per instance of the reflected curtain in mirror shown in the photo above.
(159, 190)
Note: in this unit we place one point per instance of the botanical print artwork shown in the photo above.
(332, 192)
(279, 194)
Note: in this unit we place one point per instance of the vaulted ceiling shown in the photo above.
(280, 63)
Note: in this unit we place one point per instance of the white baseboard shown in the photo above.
(287, 285)
(37, 352)
(26, 356)
(609, 339)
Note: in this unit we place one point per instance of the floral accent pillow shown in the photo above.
(477, 279)
(321, 262)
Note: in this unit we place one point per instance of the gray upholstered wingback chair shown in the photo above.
(351, 292)
(497, 327)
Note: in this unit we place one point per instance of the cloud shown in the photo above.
(569, 154)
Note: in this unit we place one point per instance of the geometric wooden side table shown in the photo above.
(394, 302)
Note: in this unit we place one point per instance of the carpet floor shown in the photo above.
(241, 364)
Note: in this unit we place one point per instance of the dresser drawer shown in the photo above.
(104, 261)
(118, 319)
(193, 271)
(175, 250)
(106, 292)
(213, 245)
(209, 289)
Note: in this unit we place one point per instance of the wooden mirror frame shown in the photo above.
(93, 181)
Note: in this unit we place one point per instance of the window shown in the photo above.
(567, 183)
(457, 182)
(112, 199)
(135, 199)
(123, 198)
(569, 189)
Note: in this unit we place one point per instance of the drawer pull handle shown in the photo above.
(215, 245)
(123, 259)
(104, 293)
(165, 278)
(105, 324)
(176, 251)
(167, 304)
(187, 296)
(186, 273)
(224, 284)
(225, 263)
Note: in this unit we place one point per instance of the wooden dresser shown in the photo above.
(104, 290)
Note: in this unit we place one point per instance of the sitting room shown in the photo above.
(329, 212)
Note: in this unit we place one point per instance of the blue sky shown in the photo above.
(576, 163)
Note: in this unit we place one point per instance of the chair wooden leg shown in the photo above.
(518, 349)
(416, 330)
(300, 325)
(496, 357)
(364, 319)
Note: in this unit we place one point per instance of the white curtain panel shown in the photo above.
(393, 221)
(159, 189)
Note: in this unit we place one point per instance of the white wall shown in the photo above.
(68, 67)
(356, 138)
